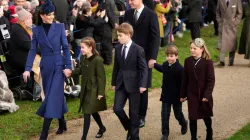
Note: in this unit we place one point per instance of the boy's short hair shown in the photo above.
(172, 49)
(125, 28)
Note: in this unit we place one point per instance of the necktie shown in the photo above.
(136, 15)
(124, 53)
(227, 3)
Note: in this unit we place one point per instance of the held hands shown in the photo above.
(142, 89)
(113, 87)
(99, 97)
(204, 100)
(183, 99)
(26, 74)
(67, 72)
(151, 63)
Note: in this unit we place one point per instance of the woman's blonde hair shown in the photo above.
(199, 42)
(90, 42)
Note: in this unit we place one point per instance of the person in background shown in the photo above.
(244, 47)
(13, 16)
(4, 22)
(161, 9)
(86, 24)
(20, 39)
(228, 27)
(194, 11)
(19, 2)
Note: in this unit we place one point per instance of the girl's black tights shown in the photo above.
(193, 128)
(86, 125)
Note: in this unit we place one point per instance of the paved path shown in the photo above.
(231, 111)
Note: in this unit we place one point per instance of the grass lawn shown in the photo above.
(243, 134)
(24, 124)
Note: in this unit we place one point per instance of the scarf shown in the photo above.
(27, 29)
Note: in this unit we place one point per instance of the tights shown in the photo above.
(193, 127)
(86, 125)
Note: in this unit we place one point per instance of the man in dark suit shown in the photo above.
(146, 35)
(129, 80)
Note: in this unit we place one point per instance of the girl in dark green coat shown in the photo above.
(92, 95)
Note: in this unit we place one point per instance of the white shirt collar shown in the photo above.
(128, 44)
(140, 10)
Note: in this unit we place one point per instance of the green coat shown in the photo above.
(244, 47)
(93, 83)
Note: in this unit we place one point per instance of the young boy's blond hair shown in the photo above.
(172, 50)
(125, 28)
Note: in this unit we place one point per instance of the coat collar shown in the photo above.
(130, 52)
(52, 32)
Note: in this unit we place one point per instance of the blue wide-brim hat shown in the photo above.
(47, 7)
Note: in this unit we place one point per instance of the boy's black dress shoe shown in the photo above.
(164, 137)
(129, 135)
(100, 133)
(142, 122)
(184, 128)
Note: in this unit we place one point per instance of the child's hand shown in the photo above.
(183, 99)
(67, 72)
(113, 87)
(99, 97)
(151, 63)
(204, 100)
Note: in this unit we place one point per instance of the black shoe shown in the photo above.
(100, 133)
(164, 137)
(184, 128)
(62, 128)
(129, 135)
(142, 122)
(209, 135)
(221, 64)
(230, 64)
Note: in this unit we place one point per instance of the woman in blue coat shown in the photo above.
(51, 38)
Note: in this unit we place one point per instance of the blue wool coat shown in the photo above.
(52, 65)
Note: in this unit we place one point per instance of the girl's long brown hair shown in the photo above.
(90, 42)
(205, 53)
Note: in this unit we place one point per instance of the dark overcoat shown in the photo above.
(146, 34)
(244, 47)
(93, 84)
(194, 10)
(52, 65)
(171, 82)
(198, 82)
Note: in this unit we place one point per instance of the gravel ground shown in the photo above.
(231, 111)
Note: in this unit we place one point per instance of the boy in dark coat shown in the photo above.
(171, 85)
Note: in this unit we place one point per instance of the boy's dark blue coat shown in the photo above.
(172, 80)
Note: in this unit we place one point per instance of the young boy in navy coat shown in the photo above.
(171, 85)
